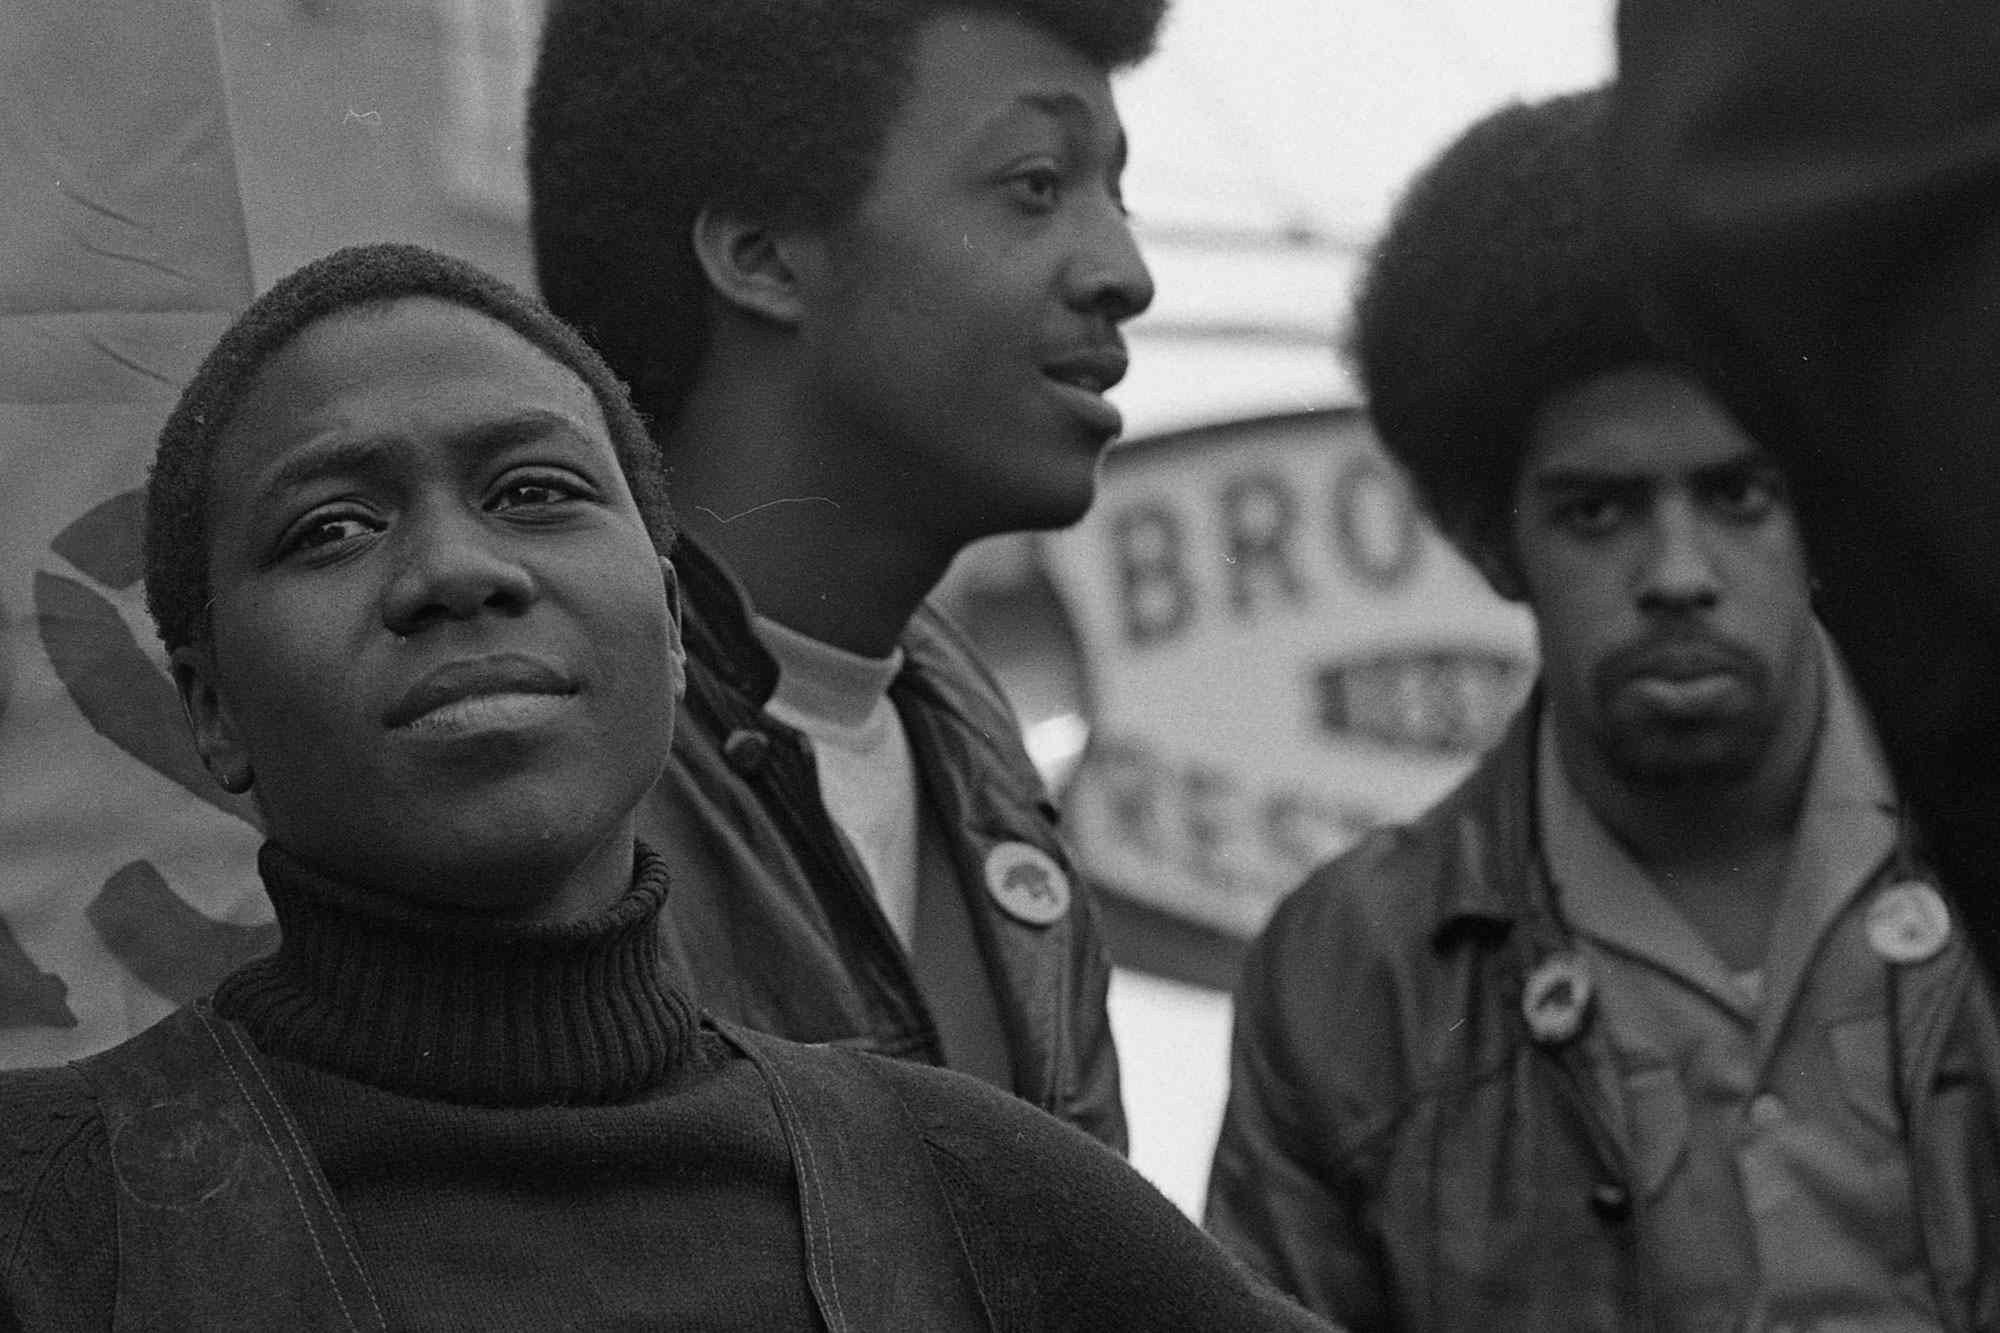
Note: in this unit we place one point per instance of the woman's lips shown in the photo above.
(496, 690)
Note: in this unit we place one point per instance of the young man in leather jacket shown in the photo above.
(1661, 1019)
(865, 268)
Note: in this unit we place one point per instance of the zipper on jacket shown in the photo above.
(937, 728)
(800, 809)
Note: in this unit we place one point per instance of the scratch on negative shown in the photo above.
(147, 261)
(1456, 1026)
(97, 206)
(136, 367)
(786, 500)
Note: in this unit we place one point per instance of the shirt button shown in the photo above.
(746, 751)
(1766, 1109)
(1611, 1201)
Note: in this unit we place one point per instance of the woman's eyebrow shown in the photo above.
(521, 427)
(359, 455)
(338, 456)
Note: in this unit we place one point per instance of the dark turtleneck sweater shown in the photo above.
(525, 1127)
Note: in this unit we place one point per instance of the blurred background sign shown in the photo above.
(1280, 653)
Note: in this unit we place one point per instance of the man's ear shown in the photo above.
(216, 738)
(677, 655)
(751, 266)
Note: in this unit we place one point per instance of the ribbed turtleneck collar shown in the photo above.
(431, 1004)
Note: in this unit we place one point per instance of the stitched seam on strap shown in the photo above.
(804, 1140)
(312, 1232)
(318, 1182)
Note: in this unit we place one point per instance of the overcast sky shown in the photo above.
(1256, 110)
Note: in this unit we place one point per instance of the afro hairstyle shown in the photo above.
(1500, 280)
(359, 277)
(643, 113)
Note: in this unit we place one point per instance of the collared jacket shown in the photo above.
(1400, 1152)
(772, 923)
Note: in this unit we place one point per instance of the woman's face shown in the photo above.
(442, 647)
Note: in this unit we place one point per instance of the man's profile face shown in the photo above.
(1668, 581)
(964, 323)
(440, 634)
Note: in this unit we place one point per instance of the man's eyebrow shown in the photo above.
(1745, 464)
(1061, 105)
(1589, 478)
(1751, 462)
(1073, 112)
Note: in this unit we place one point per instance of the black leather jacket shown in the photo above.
(771, 924)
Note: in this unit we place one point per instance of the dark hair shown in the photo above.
(645, 112)
(177, 536)
(1498, 281)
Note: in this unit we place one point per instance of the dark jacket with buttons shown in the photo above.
(1399, 1152)
(771, 922)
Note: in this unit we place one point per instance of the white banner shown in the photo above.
(126, 879)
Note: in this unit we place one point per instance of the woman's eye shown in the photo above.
(326, 531)
(532, 493)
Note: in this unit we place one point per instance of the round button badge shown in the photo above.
(1908, 922)
(1027, 883)
(1556, 998)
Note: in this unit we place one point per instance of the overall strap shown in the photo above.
(224, 1218)
(882, 1249)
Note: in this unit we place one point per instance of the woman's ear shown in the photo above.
(751, 266)
(216, 738)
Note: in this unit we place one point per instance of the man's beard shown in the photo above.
(1646, 743)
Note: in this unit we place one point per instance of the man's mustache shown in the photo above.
(1680, 655)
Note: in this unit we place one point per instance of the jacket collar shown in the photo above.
(716, 626)
(939, 663)
(1493, 880)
